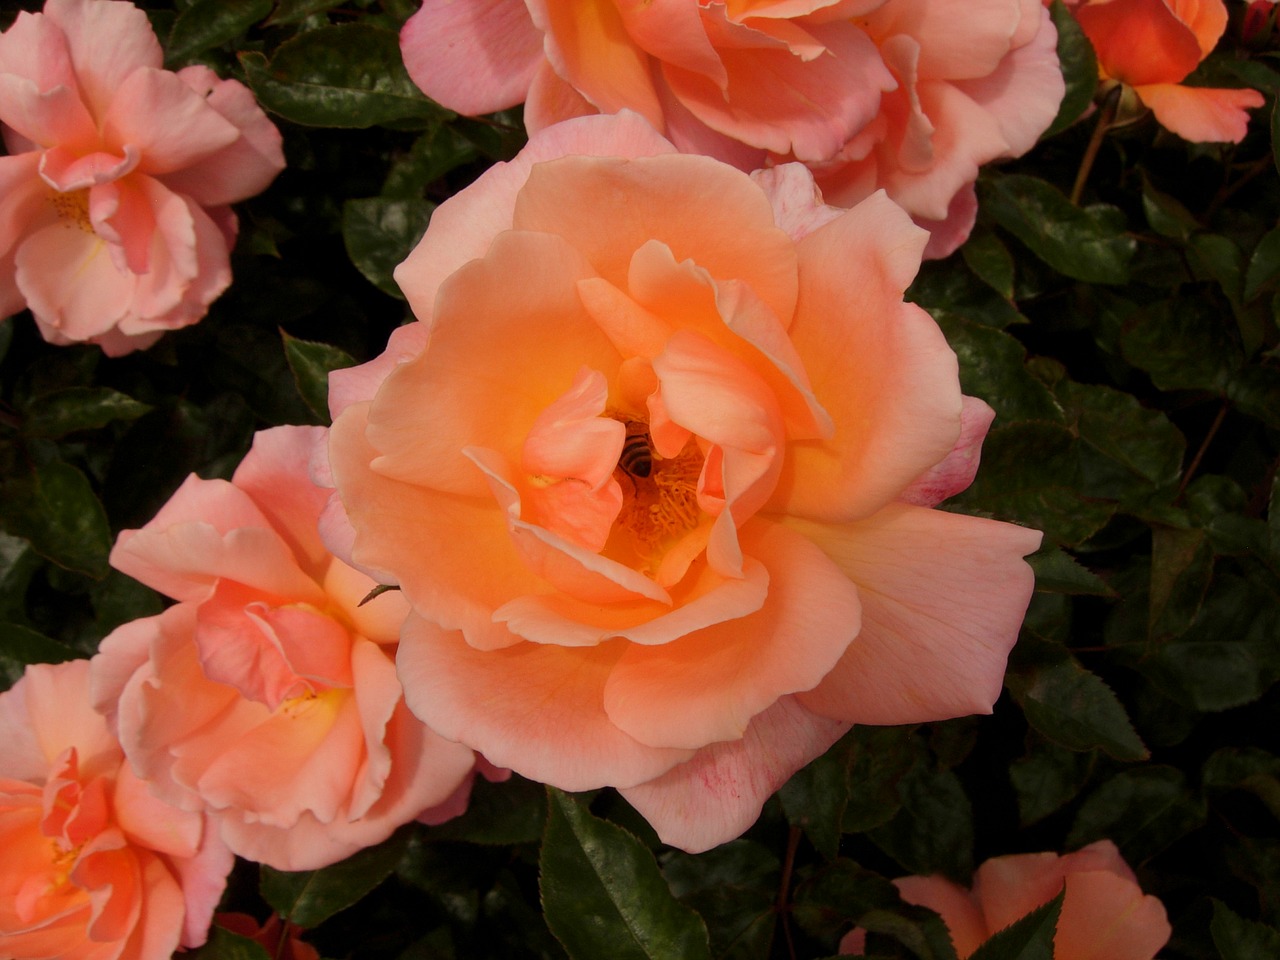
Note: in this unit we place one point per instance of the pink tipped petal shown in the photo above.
(472, 56)
(571, 438)
(718, 794)
(107, 41)
(1200, 114)
(946, 236)
(360, 383)
(943, 596)
(955, 473)
(707, 685)
(168, 122)
(68, 170)
(537, 709)
(47, 117)
(964, 920)
(797, 202)
(901, 415)
(273, 475)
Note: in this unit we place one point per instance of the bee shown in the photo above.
(637, 455)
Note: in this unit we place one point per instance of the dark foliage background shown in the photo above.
(1129, 347)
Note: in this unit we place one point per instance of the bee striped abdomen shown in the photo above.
(637, 455)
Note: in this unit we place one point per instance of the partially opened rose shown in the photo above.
(1105, 915)
(115, 222)
(654, 472)
(1151, 46)
(94, 867)
(901, 95)
(268, 695)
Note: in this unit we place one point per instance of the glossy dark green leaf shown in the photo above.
(834, 895)
(54, 508)
(1166, 214)
(733, 887)
(1245, 768)
(450, 874)
(990, 260)
(1030, 938)
(1079, 68)
(1059, 572)
(1264, 265)
(211, 23)
(603, 895)
(311, 364)
(118, 599)
(79, 408)
(295, 11)
(18, 562)
(933, 830)
(815, 797)
(1182, 343)
(993, 368)
(918, 929)
(882, 757)
(1240, 939)
(342, 76)
(1181, 569)
(20, 646)
(1219, 258)
(1255, 390)
(1068, 704)
(1143, 810)
(435, 153)
(310, 897)
(379, 232)
(511, 812)
(225, 945)
(1047, 779)
(1086, 243)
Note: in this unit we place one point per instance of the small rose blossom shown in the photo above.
(1151, 46)
(1105, 915)
(94, 866)
(655, 470)
(268, 695)
(115, 222)
(899, 95)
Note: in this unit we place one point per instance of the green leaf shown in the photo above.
(838, 893)
(225, 945)
(434, 154)
(1068, 704)
(1167, 216)
(603, 895)
(310, 897)
(498, 813)
(1143, 810)
(1273, 520)
(882, 757)
(990, 260)
(1181, 569)
(1264, 265)
(1079, 68)
(295, 11)
(379, 232)
(1275, 133)
(343, 76)
(67, 411)
(311, 364)
(1220, 259)
(20, 646)
(1047, 779)
(933, 831)
(919, 929)
(54, 508)
(815, 797)
(1059, 572)
(210, 23)
(1245, 768)
(733, 888)
(1030, 938)
(1182, 344)
(1086, 243)
(1239, 939)
(993, 368)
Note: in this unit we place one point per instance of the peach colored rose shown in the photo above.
(1105, 915)
(899, 95)
(654, 472)
(114, 216)
(971, 89)
(95, 868)
(1151, 45)
(268, 695)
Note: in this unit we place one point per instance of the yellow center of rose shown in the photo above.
(659, 496)
(73, 207)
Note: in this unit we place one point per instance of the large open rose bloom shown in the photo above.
(95, 868)
(114, 216)
(1105, 915)
(1151, 46)
(268, 696)
(693, 632)
(901, 95)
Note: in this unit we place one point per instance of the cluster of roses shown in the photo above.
(675, 537)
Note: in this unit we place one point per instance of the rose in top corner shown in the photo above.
(655, 470)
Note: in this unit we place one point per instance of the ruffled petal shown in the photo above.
(1201, 114)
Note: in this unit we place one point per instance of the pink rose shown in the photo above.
(94, 866)
(899, 95)
(1105, 915)
(111, 155)
(268, 695)
(654, 472)
(1151, 46)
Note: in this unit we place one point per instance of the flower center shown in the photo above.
(74, 208)
(659, 495)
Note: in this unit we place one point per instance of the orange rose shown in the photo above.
(1151, 46)
(1105, 915)
(654, 472)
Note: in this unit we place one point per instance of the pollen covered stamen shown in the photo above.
(73, 208)
(659, 508)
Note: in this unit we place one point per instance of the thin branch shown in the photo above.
(1204, 445)
(784, 887)
(1106, 114)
